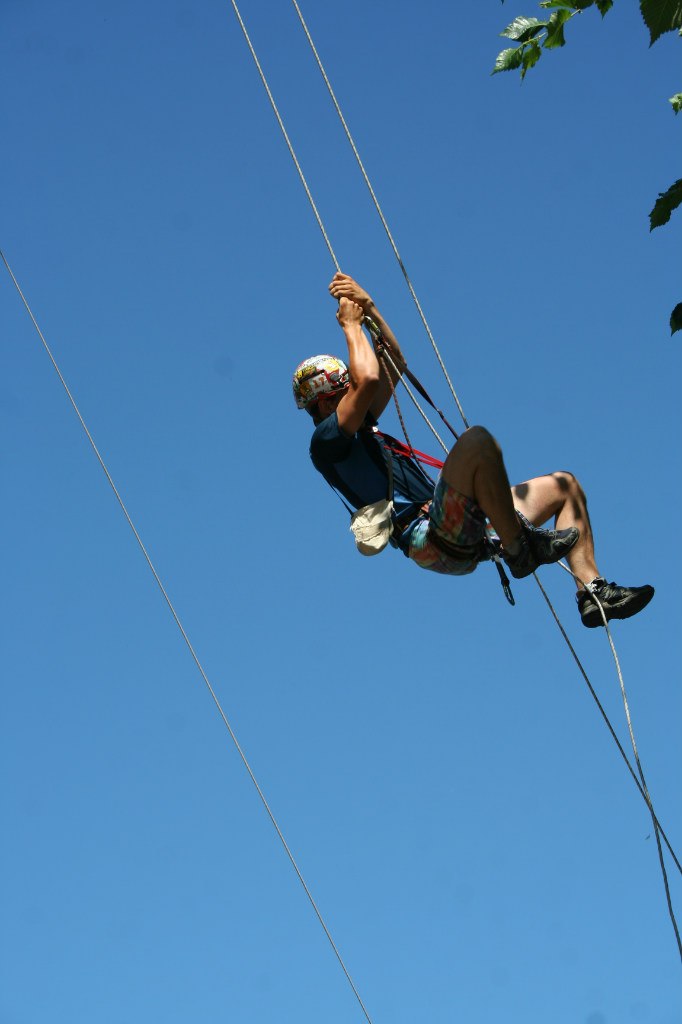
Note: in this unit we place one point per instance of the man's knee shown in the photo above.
(476, 447)
(572, 494)
(567, 482)
(478, 440)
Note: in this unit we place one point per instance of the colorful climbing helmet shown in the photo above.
(319, 375)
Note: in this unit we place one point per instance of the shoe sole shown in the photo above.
(624, 610)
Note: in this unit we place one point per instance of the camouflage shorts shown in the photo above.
(459, 521)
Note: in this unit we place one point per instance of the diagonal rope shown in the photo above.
(185, 637)
(385, 357)
(642, 787)
(381, 354)
(415, 401)
(603, 712)
(379, 210)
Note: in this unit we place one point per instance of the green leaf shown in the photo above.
(665, 204)
(661, 16)
(676, 318)
(676, 101)
(508, 60)
(522, 29)
(604, 6)
(531, 55)
(558, 3)
(555, 30)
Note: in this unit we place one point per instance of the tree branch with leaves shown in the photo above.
(534, 35)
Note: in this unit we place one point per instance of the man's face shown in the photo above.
(327, 403)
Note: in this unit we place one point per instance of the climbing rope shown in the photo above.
(286, 136)
(389, 364)
(185, 637)
(315, 210)
(600, 706)
(641, 783)
(384, 359)
(379, 211)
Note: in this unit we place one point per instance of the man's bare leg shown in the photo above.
(475, 467)
(560, 495)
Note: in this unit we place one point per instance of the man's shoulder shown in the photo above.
(330, 429)
(329, 442)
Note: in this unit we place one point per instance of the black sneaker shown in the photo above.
(539, 547)
(617, 602)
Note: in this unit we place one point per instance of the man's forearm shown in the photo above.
(344, 287)
(362, 360)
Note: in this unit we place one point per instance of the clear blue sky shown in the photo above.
(454, 800)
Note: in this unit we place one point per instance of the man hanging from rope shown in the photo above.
(442, 528)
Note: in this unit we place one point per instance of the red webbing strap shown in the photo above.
(402, 449)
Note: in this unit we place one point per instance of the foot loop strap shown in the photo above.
(494, 554)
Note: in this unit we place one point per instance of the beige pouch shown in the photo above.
(372, 527)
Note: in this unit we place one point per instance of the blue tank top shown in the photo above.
(356, 466)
